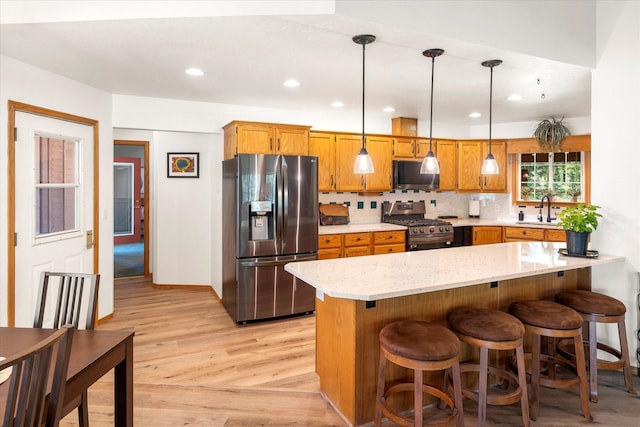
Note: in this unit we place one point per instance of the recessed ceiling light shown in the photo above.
(337, 104)
(514, 97)
(388, 109)
(475, 115)
(292, 83)
(194, 71)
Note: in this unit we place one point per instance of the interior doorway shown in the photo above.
(131, 209)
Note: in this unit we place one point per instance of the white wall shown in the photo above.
(615, 178)
(25, 83)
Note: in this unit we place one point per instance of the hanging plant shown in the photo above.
(550, 132)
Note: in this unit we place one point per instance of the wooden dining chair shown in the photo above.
(76, 304)
(27, 404)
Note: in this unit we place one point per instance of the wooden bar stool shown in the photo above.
(492, 330)
(555, 321)
(420, 346)
(598, 308)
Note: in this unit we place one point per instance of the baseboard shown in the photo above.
(194, 287)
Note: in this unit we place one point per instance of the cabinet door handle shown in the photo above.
(278, 144)
(270, 144)
(332, 180)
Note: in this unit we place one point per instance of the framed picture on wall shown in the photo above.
(183, 165)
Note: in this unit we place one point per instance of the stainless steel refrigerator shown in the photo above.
(269, 218)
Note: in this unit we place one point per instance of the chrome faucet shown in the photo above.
(549, 219)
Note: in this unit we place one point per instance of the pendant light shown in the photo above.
(363, 163)
(430, 164)
(490, 165)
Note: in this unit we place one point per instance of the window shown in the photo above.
(57, 185)
(559, 175)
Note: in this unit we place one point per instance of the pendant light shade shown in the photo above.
(430, 163)
(363, 163)
(490, 165)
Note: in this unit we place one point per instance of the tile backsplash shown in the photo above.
(367, 209)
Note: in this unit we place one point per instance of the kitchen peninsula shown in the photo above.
(356, 297)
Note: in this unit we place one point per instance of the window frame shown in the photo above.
(77, 185)
(580, 143)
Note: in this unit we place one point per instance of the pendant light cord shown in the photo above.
(433, 60)
(490, 106)
(363, 46)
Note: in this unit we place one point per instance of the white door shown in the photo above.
(53, 204)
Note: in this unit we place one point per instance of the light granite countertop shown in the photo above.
(456, 222)
(376, 277)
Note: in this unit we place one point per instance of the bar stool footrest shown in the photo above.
(400, 420)
(504, 398)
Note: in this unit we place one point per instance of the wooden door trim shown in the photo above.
(13, 107)
(147, 207)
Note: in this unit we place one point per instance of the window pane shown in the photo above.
(56, 159)
(561, 172)
(56, 208)
(123, 199)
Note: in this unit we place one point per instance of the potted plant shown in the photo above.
(550, 193)
(578, 222)
(574, 193)
(550, 132)
(526, 192)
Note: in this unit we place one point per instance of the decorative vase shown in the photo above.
(577, 242)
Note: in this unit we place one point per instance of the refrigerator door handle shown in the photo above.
(285, 200)
(276, 263)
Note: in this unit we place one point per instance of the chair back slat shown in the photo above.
(27, 387)
(76, 296)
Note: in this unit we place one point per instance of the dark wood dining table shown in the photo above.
(93, 354)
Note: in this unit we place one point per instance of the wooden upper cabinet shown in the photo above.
(447, 154)
(469, 163)
(323, 145)
(403, 147)
(347, 148)
(496, 183)
(265, 138)
(470, 156)
(379, 148)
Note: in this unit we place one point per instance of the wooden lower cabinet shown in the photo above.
(520, 234)
(348, 245)
(484, 235)
(555, 236)
(386, 242)
(330, 246)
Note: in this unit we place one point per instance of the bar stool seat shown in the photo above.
(419, 346)
(549, 319)
(492, 330)
(598, 308)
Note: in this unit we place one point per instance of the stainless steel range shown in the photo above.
(422, 233)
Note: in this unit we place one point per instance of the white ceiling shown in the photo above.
(246, 59)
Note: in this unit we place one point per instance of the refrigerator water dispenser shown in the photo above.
(261, 213)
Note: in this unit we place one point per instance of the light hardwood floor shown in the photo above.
(194, 367)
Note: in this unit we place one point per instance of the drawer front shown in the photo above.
(388, 249)
(555, 235)
(357, 239)
(354, 251)
(329, 241)
(524, 233)
(385, 237)
(330, 253)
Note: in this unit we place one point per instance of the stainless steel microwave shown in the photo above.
(407, 176)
